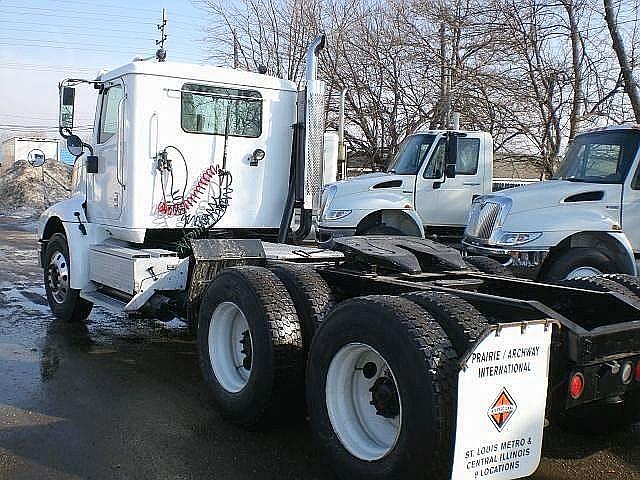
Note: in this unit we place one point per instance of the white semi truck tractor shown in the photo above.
(413, 363)
(418, 194)
(584, 221)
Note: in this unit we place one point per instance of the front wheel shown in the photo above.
(381, 382)
(65, 302)
(576, 263)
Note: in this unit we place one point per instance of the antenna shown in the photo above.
(161, 53)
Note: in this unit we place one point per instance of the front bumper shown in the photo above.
(523, 262)
(325, 236)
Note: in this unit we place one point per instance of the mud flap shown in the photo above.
(211, 256)
(502, 392)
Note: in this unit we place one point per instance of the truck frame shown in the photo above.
(377, 333)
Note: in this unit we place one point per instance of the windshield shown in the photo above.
(411, 154)
(603, 157)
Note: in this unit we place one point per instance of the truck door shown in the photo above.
(446, 201)
(105, 188)
(631, 210)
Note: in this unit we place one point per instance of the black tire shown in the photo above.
(382, 229)
(463, 324)
(311, 296)
(599, 283)
(629, 282)
(565, 262)
(275, 381)
(65, 302)
(423, 362)
(488, 265)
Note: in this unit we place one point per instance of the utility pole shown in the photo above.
(161, 53)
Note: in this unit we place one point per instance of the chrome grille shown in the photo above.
(482, 219)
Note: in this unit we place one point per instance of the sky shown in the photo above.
(45, 41)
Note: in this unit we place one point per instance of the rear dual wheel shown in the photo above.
(250, 345)
(381, 390)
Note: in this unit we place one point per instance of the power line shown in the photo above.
(50, 12)
(75, 35)
(68, 3)
(85, 15)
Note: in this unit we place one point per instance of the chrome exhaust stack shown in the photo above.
(342, 151)
(305, 182)
(314, 116)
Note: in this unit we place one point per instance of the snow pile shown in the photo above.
(24, 193)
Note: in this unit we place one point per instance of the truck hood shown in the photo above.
(558, 193)
(375, 181)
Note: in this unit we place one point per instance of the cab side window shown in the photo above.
(436, 162)
(109, 113)
(466, 163)
(468, 153)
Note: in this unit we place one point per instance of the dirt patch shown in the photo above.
(26, 191)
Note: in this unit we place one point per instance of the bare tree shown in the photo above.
(630, 85)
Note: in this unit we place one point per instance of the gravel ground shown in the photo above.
(122, 398)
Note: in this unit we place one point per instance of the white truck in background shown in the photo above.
(585, 221)
(419, 193)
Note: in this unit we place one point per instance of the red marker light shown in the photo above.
(576, 386)
(638, 371)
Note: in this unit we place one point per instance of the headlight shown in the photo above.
(328, 193)
(518, 238)
(336, 214)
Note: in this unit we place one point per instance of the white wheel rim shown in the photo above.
(583, 272)
(227, 352)
(366, 434)
(58, 277)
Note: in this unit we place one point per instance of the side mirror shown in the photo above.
(451, 157)
(75, 145)
(36, 157)
(67, 101)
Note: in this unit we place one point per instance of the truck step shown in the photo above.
(126, 269)
(103, 300)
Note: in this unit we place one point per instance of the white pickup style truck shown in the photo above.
(418, 193)
(585, 221)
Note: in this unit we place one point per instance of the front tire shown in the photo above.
(65, 302)
(250, 346)
(381, 390)
(578, 262)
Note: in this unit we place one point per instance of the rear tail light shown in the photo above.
(576, 386)
(638, 371)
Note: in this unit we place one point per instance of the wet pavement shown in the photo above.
(122, 398)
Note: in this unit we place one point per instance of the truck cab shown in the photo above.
(584, 221)
(178, 152)
(429, 185)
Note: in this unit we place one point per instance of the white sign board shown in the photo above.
(502, 393)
